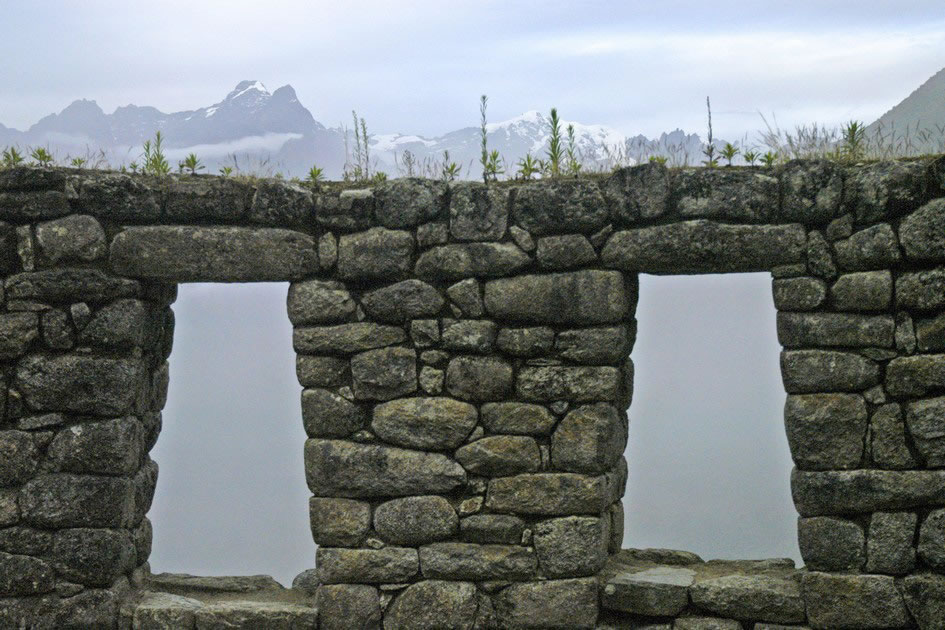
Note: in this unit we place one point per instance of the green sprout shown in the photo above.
(192, 164)
(528, 166)
(555, 154)
(42, 157)
(729, 151)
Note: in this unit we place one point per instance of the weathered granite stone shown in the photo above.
(549, 605)
(469, 335)
(889, 439)
(119, 197)
(280, 203)
(200, 199)
(377, 254)
(409, 201)
(120, 324)
(835, 330)
(79, 383)
(916, 376)
(24, 575)
(65, 500)
(799, 294)
(636, 192)
(467, 295)
(346, 338)
(478, 212)
(216, 585)
(327, 251)
(839, 228)
(831, 544)
(863, 491)
(811, 191)
(925, 598)
(348, 469)
(9, 512)
(339, 522)
(316, 371)
(327, 414)
(457, 261)
(925, 421)
(930, 334)
(525, 342)
(889, 544)
(434, 605)
(425, 332)
(368, 566)
(77, 237)
(319, 302)
(932, 541)
(923, 233)
(162, 611)
(705, 623)
(17, 331)
(571, 546)
(858, 602)
(424, 423)
(559, 207)
(95, 557)
(492, 528)
(921, 290)
(565, 252)
(225, 615)
(57, 332)
(68, 285)
(595, 346)
(873, 248)
(413, 521)
(212, 254)
(703, 246)
(479, 378)
(470, 561)
(517, 418)
(820, 261)
(29, 206)
(25, 540)
(754, 597)
(522, 238)
(344, 606)
(550, 494)
(400, 302)
(19, 457)
(808, 371)
(589, 440)
(500, 455)
(110, 447)
(885, 189)
(862, 291)
(431, 380)
(384, 373)
(349, 211)
(739, 195)
(577, 384)
(660, 591)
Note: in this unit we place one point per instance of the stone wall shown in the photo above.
(464, 352)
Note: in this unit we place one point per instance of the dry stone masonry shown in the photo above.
(464, 352)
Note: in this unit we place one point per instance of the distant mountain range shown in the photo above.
(921, 115)
(256, 130)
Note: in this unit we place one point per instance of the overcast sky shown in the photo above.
(419, 66)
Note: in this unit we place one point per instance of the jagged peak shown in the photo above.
(244, 87)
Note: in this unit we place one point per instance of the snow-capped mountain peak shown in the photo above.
(248, 87)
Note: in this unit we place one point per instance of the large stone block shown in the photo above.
(873, 248)
(811, 191)
(885, 189)
(479, 378)
(890, 449)
(95, 557)
(339, 522)
(501, 529)
(468, 335)
(346, 338)
(831, 544)
(754, 597)
(76, 237)
(320, 302)
(414, 521)
(409, 201)
(17, 331)
(517, 418)
(436, 605)
(384, 373)
(424, 423)
(925, 598)
(205, 199)
(826, 431)
(349, 469)
(19, 457)
(525, 342)
(470, 561)
(798, 294)
(119, 197)
(316, 371)
(549, 605)
(863, 291)
(500, 455)
(658, 591)
(344, 606)
(916, 375)
(572, 546)
(930, 334)
(80, 383)
(863, 491)
(932, 540)
(921, 290)
(24, 575)
(576, 384)
(703, 246)
(281, 204)
(390, 564)
(636, 192)
(729, 194)
(550, 494)
(29, 206)
(559, 207)
(596, 346)
(110, 447)
(926, 422)
(923, 233)
(377, 254)
(478, 212)
(860, 602)
(889, 546)
(348, 211)
(69, 285)
(178, 253)
(121, 324)
(589, 440)
(457, 261)
(327, 414)
(409, 299)
(65, 500)
(809, 371)
(582, 298)
(835, 330)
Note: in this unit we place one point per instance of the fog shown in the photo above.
(707, 452)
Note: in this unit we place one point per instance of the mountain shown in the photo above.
(923, 110)
(255, 130)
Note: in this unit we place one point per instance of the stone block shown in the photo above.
(24, 575)
(467, 295)
(875, 247)
(826, 431)
(212, 254)
(861, 602)
(349, 211)
(346, 338)
(425, 332)
(925, 598)
(641, 191)
(377, 254)
(798, 330)
(75, 238)
(30, 206)
(863, 491)
(500, 455)
(525, 342)
(811, 191)
(596, 346)
(79, 383)
(925, 421)
(318, 371)
(573, 546)
(517, 418)
(409, 201)
(384, 373)
(890, 449)
(755, 597)
(589, 440)
(863, 291)
(820, 261)
(703, 246)
(889, 544)
(19, 458)
(576, 384)
(224, 615)
(810, 371)
(65, 500)
(367, 566)
(730, 194)
(479, 378)
(549, 605)
(831, 544)
(457, 261)
(327, 414)
(470, 561)
(492, 528)
(923, 233)
(405, 300)
(339, 522)
(469, 335)
(424, 423)
(885, 189)
(549, 494)
(582, 298)
(281, 204)
(205, 199)
(435, 605)
(349, 469)
(119, 197)
(705, 623)
(163, 611)
(921, 290)
(658, 591)
(478, 212)
(799, 294)
(559, 207)
(9, 510)
(930, 334)
(413, 521)
(17, 332)
(109, 447)
(95, 557)
(320, 302)
(344, 606)
(121, 324)
(566, 251)
(932, 541)
(916, 376)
